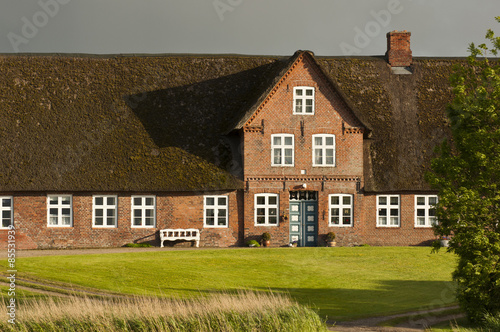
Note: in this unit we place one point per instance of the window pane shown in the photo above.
(382, 220)
(66, 212)
(420, 221)
(277, 156)
(6, 202)
(221, 201)
(99, 212)
(309, 103)
(335, 212)
(346, 200)
(221, 221)
(99, 221)
(298, 106)
(111, 213)
(346, 212)
(335, 200)
(261, 220)
(335, 220)
(149, 213)
(273, 220)
(137, 221)
(432, 200)
(394, 221)
(318, 156)
(394, 212)
(329, 140)
(66, 220)
(65, 200)
(272, 200)
(261, 212)
(137, 213)
(382, 212)
(318, 140)
(222, 213)
(150, 221)
(421, 212)
(277, 140)
(5, 222)
(420, 200)
(111, 221)
(346, 220)
(111, 200)
(394, 200)
(209, 200)
(272, 211)
(432, 212)
(137, 201)
(298, 92)
(309, 109)
(99, 201)
(210, 213)
(210, 221)
(261, 200)
(309, 92)
(53, 200)
(382, 200)
(288, 159)
(150, 201)
(288, 140)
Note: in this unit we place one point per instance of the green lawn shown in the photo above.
(342, 283)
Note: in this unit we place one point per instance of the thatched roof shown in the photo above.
(161, 123)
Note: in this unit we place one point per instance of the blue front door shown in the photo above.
(304, 223)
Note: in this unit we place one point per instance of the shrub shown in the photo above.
(253, 243)
(138, 245)
(266, 236)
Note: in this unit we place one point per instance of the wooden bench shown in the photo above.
(189, 234)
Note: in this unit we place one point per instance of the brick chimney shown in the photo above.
(398, 48)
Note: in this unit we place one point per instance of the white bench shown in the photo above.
(189, 234)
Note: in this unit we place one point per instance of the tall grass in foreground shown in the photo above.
(245, 311)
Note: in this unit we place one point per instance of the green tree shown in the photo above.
(467, 175)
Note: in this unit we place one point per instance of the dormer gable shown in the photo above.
(303, 79)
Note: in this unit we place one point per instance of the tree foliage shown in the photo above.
(467, 175)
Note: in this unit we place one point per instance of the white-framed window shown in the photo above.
(104, 210)
(323, 150)
(341, 209)
(266, 209)
(303, 100)
(425, 210)
(215, 211)
(388, 211)
(282, 149)
(6, 211)
(143, 211)
(59, 210)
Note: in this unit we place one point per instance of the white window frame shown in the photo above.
(217, 207)
(389, 210)
(282, 147)
(323, 148)
(267, 208)
(9, 208)
(60, 206)
(303, 98)
(341, 206)
(105, 207)
(429, 220)
(143, 208)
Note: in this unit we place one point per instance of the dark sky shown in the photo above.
(266, 27)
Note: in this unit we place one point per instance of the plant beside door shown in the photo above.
(330, 239)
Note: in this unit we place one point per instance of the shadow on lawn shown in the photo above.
(388, 297)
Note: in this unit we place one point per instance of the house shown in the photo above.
(101, 151)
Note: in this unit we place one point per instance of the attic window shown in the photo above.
(303, 100)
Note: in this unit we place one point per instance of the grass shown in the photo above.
(245, 311)
(343, 283)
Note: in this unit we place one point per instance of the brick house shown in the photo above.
(102, 151)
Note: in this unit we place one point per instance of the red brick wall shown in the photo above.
(404, 235)
(173, 210)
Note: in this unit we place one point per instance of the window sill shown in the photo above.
(265, 225)
(207, 226)
(385, 227)
(100, 227)
(142, 226)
